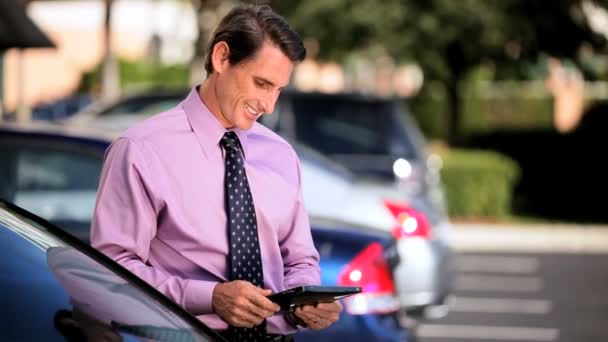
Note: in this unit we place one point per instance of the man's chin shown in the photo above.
(246, 125)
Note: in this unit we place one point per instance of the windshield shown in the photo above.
(351, 126)
(51, 291)
(53, 177)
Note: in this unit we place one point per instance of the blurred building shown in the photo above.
(381, 78)
(76, 27)
(17, 31)
(567, 88)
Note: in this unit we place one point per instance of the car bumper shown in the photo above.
(422, 274)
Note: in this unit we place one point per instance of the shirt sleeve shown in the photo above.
(125, 222)
(300, 257)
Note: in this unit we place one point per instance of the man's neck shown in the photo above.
(208, 95)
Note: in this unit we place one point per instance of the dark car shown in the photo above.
(376, 139)
(371, 136)
(54, 172)
(56, 288)
(61, 108)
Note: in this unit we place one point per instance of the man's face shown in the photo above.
(249, 89)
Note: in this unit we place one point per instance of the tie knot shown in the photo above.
(230, 141)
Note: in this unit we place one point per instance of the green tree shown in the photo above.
(447, 38)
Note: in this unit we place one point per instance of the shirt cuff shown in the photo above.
(199, 296)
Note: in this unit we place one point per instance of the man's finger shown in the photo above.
(247, 318)
(322, 314)
(264, 304)
(264, 292)
(307, 315)
(329, 307)
(239, 322)
(259, 310)
(323, 308)
(259, 299)
(249, 309)
(263, 301)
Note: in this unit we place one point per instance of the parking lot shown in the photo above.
(514, 295)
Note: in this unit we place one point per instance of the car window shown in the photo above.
(52, 291)
(342, 125)
(53, 178)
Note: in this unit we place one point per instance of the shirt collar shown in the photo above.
(207, 128)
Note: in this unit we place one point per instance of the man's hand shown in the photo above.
(319, 316)
(242, 304)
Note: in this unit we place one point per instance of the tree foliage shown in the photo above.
(444, 36)
(447, 38)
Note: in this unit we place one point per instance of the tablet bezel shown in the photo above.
(289, 299)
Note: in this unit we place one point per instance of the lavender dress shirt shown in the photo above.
(160, 208)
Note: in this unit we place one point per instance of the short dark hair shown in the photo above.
(246, 27)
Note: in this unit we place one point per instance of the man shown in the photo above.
(206, 204)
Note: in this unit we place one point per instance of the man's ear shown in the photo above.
(220, 56)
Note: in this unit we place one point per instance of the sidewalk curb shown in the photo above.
(541, 238)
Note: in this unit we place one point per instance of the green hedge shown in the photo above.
(491, 107)
(478, 183)
(139, 76)
(146, 75)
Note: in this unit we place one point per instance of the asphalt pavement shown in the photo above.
(526, 283)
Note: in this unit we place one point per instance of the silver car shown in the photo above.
(332, 192)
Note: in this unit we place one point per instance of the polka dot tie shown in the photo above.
(245, 260)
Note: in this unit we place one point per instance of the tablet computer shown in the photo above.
(288, 300)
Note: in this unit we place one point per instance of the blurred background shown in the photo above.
(508, 98)
(521, 78)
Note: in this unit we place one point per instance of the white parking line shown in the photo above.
(500, 305)
(496, 264)
(480, 332)
(498, 283)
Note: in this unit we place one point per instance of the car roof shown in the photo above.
(45, 128)
(343, 96)
(102, 106)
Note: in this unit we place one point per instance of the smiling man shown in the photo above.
(205, 204)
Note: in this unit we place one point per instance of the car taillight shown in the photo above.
(370, 271)
(409, 222)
